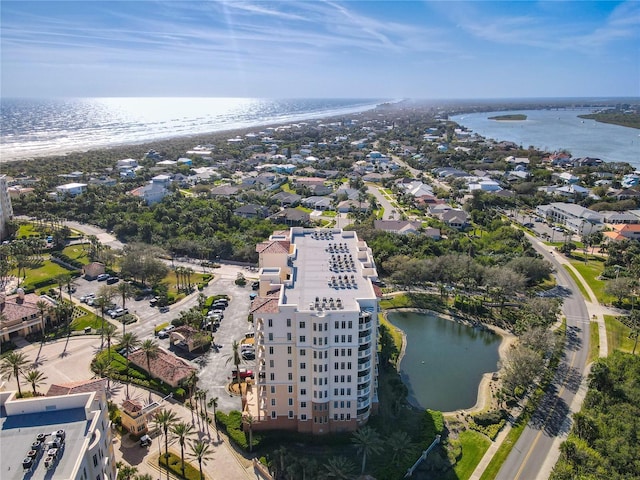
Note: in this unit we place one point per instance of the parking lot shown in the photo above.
(215, 372)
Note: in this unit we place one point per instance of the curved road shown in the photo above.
(536, 451)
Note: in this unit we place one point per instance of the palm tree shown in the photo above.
(200, 451)
(400, 445)
(43, 307)
(367, 442)
(150, 349)
(129, 342)
(213, 403)
(182, 431)
(126, 291)
(236, 358)
(191, 382)
(111, 334)
(250, 421)
(101, 303)
(62, 280)
(14, 363)
(102, 367)
(165, 419)
(34, 377)
(340, 468)
(126, 472)
(144, 476)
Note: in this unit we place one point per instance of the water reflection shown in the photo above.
(444, 361)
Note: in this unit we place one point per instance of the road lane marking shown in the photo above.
(535, 441)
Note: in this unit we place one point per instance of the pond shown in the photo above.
(444, 360)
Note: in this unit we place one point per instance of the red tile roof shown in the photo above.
(83, 386)
(264, 305)
(273, 246)
(167, 367)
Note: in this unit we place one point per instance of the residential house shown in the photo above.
(457, 219)
(189, 339)
(155, 190)
(225, 191)
(291, 217)
(252, 211)
(624, 232)
(317, 202)
(71, 189)
(287, 198)
(20, 314)
(347, 206)
(398, 226)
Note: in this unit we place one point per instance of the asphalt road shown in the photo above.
(530, 458)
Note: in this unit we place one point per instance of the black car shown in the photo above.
(112, 280)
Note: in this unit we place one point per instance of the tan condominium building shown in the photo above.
(6, 210)
(315, 325)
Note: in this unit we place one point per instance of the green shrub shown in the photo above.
(490, 431)
(488, 418)
(175, 467)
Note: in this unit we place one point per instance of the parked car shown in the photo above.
(112, 280)
(244, 373)
(102, 277)
(145, 441)
(164, 333)
(255, 285)
(248, 355)
(154, 301)
(86, 297)
(118, 312)
(164, 309)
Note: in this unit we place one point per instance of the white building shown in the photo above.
(6, 210)
(579, 219)
(65, 435)
(316, 327)
(71, 189)
(154, 191)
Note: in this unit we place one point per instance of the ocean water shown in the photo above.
(31, 128)
(553, 130)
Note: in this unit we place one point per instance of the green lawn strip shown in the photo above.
(329, 213)
(397, 301)
(175, 466)
(160, 327)
(393, 331)
(474, 445)
(27, 230)
(47, 270)
(172, 283)
(594, 342)
(590, 271)
(78, 253)
(578, 282)
(87, 320)
(618, 335)
(304, 209)
(503, 451)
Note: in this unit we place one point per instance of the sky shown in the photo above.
(320, 49)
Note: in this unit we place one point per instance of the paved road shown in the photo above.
(536, 450)
(390, 212)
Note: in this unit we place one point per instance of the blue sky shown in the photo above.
(367, 49)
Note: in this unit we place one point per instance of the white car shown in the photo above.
(86, 297)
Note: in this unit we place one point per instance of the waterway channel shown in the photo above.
(444, 361)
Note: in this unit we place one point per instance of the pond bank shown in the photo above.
(487, 385)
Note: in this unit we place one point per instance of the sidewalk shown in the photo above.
(225, 462)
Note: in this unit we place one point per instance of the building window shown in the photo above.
(344, 325)
(95, 460)
(349, 391)
(350, 324)
(335, 416)
(335, 391)
(336, 323)
(344, 338)
(288, 322)
(289, 349)
(273, 389)
(348, 351)
(289, 363)
(290, 376)
(290, 401)
(303, 366)
(349, 378)
(303, 352)
(290, 413)
(350, 338)
(288, 336)
(335, 339)
(273, 402)
(303, 416)
(270, 350)
(349, 365)
(290, 388)
(273, 414)
(271, 363)
(336, 352)
(335, 404)
(303, 378)
(348, 416)
(348, 403)
(342, 416)
(302, 339)
(302, 325)
(272, 376)
(335, 379)
(303, 391)
(270, 322)
(270, 337)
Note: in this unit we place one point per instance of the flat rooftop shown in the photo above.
(327, 265)
(18, 432)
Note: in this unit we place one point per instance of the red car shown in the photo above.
(244, 373)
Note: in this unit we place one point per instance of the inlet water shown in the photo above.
(444, 360)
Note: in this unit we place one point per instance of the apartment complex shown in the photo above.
(65, 435)
(6, 210)
(315, 329)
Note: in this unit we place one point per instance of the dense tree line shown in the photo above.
(604, 441)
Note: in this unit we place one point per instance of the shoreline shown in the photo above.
(484, 397)
(211, 136)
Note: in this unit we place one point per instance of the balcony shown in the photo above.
(364, 392)
(364, 340)
(364, 353)
(364, 417)
(363, 332)
(362, 404)
(364, 366)
(364, 381)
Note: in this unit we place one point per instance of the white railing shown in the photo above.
(363, 340)
(364, 379)
(364, 366)
(364, 353)
(364, 392)
(364, 404)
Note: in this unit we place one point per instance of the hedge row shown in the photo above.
(490, 430)
(175, 467)
(232, 425)
(66, 259)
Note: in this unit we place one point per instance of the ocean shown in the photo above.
(31, 128)
(554, 130)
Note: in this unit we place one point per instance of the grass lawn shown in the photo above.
(88, 320)
(594, 341)
(172, 281)
(286, 188)
(78, 252)
(590, 271)
(503, 452)
(47, 270)
(618, 335)
(578, 282)
(329, 213)
(397, 301)
(304, 209)
(474, 446)
(27, 230)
